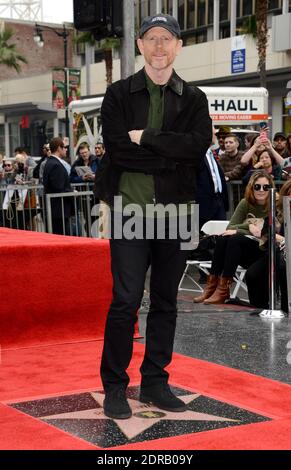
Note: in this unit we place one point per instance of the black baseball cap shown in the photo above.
(279, 134)
(162, 21)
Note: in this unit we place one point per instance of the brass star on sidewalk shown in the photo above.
(143, 417)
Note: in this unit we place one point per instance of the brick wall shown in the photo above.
(40, 60)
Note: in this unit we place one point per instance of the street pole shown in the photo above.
(64, 34)
(127, 63)
(158, 6)
(233, 18)
(175, 9)
(285, 7)
(89, 59)
(216, 20)
(65, 38)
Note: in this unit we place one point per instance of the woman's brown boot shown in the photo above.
(222, 292)
(210, 287)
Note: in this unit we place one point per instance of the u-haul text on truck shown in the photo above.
(235, 105)
(227, 105)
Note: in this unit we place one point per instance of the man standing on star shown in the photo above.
(156, 129)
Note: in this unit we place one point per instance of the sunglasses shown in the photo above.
(8, 165)
(264, 187)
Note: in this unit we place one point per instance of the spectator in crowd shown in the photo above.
(231, 159)
(7, 177)
(86, 165)
(257, 275)
(265, 162)
(56, 179)
(279, 144)
(38, 170)
(99, 150)
(85, 159)
(7, 172)
(261, 143)
(19, 205)
(238, 245)
(24, 168)
(250, 157)
(28, 161)
(27, 203)
(221, 133)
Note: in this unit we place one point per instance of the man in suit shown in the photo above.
(56, 179)
(211, 194)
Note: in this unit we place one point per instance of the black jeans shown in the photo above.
(232, 251)
(130, 260)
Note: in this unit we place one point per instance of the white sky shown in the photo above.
(57, 11)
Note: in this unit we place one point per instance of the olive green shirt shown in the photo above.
(138, 188)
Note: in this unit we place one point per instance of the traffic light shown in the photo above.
(102, 17)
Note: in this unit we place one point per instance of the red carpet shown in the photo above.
(60, 290)
(55, 288)
(71, 368)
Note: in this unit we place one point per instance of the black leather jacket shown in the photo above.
(171, 154)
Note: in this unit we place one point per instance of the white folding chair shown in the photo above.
(212, 227)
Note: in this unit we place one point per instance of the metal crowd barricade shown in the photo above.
(22, 207)
(236, 190)
(287, 232)
(80, 221)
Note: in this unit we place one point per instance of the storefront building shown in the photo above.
(27, 115)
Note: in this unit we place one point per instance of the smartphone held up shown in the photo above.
(264, 132)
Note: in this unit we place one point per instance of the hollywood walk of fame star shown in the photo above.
(144, 416)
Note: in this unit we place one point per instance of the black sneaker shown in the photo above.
(115, 405)
(162, 397)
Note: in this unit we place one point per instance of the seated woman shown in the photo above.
(238, 245)
(259, 290)
(265, 162)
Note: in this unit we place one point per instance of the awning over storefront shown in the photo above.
(10, 110)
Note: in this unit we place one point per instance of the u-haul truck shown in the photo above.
(233, 106)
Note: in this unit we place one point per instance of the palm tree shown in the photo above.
(8, 53)
(262, 38)
(106, 46)
(256, 25)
